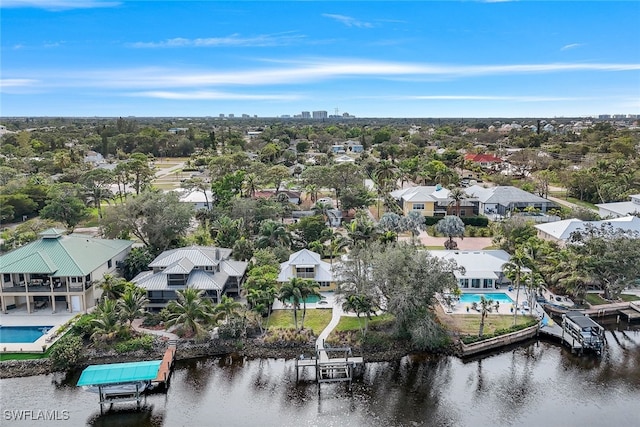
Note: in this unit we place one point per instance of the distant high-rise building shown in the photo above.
(306, 115)
(320, 115)
(604, 116)
(231, 116)
(245, 116)
(221, 116)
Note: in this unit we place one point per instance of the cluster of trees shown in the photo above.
(600, 258)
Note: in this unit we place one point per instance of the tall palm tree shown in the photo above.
(308, 289)
(291, 292)
(516, 270)
(312, 190)
(456, 195)
(191, 311)
(132, 303)
(251, 184)
(486, 307)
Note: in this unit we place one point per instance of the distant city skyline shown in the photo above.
(366, 58)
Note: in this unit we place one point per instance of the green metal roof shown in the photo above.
(119, 373)
(62, 256)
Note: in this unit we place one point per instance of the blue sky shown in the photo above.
(367, 58)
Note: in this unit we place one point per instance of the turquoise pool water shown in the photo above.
(22, 334)
(309, 300)
(500, 297)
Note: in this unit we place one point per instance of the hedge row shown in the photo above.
(476, 221)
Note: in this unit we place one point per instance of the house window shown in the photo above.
(208, 268)
(306, 272)
(418, 206)
(488, 283)
(20, 277)
(464, 283)
(325, 284)
(109, 264)
(475, 283)
(6, 278)
(176, 280)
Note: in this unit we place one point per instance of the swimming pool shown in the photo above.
(500, 297)
(22, 334)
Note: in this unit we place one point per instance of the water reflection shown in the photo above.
(540, 383)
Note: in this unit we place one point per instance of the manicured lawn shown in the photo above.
(23, 356)
(316, 320)
(350, 323)
(629, 297)
(469, 324)
(595, 299)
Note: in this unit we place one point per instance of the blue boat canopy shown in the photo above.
(119, 373)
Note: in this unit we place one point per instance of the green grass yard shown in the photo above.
(350, 323)
(317, 319)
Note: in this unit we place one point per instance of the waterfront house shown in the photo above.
(59, 271)
(482, 270)
(201, 267)
(307, 264)
(560, 231)
(618, 209)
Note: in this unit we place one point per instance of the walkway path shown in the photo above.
(137, 326)
(336, 313)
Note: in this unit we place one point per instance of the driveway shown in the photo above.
(467, 244)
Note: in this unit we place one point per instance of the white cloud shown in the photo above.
(214, 95)
(232, 40)
(571, 46)
(17, 82)
(348, 20)
(304, 71)
(57, 5)
(511, 98)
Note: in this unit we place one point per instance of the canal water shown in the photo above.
(538, 383)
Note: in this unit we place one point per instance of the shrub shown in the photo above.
(152, 319)
(144, 342)
(476, 221)
(67, 351)
(471, 231)
(84, 326)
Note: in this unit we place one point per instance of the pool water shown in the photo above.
(22, 334)
(309, 300)
(500, 297)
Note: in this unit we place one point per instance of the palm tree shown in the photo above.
(251, 184)
(190, 311)
(272, 233)
(112, 287)
(132, 303)
(312, 190)
(456, 195)
(451, 226)
(385, 176)
(261, 301)
(291, 292)
(360, 304)
(308, 289)
(106, 324)
(486, 307)
(96, 185)
(227, 308)
(515, 270)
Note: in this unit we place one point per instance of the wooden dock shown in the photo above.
(631, 313)
(331, 369)
(166, 366)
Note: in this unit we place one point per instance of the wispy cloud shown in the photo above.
(57, 5)
(231, 40)
(298, 72)
(348, 20)
(511, 98)
(214, 95)
(571, 46)
(16, 82)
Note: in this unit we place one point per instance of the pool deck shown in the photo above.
(24, 319)
(504, 308)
